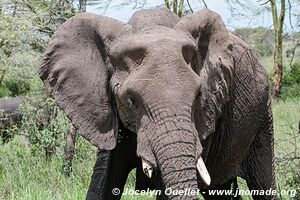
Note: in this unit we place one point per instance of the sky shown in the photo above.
(124, 12)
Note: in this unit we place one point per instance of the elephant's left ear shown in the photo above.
(214, 65)
(75, 71)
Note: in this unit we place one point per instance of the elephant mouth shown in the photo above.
(201, 168)
(149, 161)
(170, 144)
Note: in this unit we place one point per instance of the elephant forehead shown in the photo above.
(149, 37)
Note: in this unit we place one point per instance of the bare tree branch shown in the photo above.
(290, 15)
(265, 2)
(180, 8)
(205, 5)
(175, 6)
(167, 4)
(82, 5)
(287, 159)
(190, 7)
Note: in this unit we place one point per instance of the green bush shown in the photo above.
(4, 91)
(14, 87)
(291, 82)
(17, 87)
(45, 125)
(292, 91)
(294, 182)
(24, 176)
(292, 76)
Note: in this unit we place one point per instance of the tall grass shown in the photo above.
(23, 176)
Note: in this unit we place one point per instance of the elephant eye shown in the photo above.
(129, 102)
(116, 87)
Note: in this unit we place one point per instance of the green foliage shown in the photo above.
(18, 59)
(28, 177)
(17, 87)
(25, 28)
(14, 87)
(294, 182)
(45, 126)
(4, 91)
(292, 76)
(287, 139)
(291, 82)
(288, 92)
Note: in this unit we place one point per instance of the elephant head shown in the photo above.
(163, 78)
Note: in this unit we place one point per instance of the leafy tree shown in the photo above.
(277, 9)
(25, 28)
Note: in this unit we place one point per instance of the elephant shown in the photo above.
(11, 114)
(183, 100)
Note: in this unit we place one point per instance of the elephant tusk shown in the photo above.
(203, 172)
(147, 169)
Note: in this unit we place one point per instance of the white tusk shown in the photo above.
(203, 172)
(147, 169)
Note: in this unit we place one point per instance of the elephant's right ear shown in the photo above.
(215, 66)
(74, 70)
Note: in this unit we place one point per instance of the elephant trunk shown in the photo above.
(177, 148)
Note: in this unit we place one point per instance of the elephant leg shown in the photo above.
(259, 173)
(159, 185)
(97, 188)
(222, 192)
(111, 171)
(258, 168)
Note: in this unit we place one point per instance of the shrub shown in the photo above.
(14, 87)
(45, 125)
(291, 82)
(292, 76)
(294, 182)
(17, 87)
(4, 91)
(292, 91)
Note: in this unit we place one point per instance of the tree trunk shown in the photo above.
(278, 71)
(175, 7)
(278, 65)
(69, 150)
(167, 4)
(82, 5)
(180, 8)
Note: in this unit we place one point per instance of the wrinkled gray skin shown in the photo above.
(186, 87)
(10, 114)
